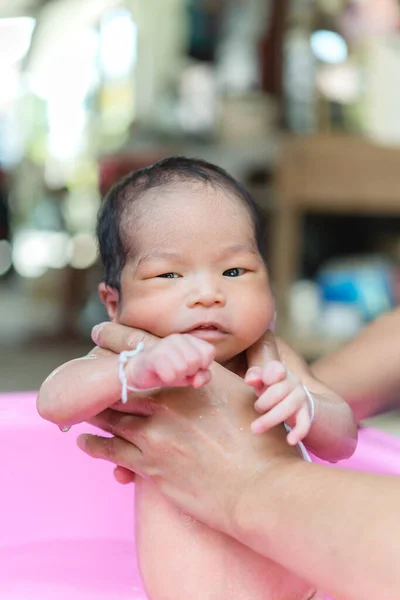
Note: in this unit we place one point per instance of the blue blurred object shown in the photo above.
(365, 283)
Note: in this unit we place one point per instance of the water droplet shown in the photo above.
(64, 428)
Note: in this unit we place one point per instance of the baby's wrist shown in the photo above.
(124, 357)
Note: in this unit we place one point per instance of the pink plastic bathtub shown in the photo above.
(66, 528)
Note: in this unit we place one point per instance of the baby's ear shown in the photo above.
(110, 298)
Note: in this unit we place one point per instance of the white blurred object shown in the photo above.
(35, 251)
(305, 306)
(198, 99)
(339, 320)
(84, 251)
(328, 46)
(381, 115)
(237, 56)
(118, 43)
(339, 83)
(15, 39)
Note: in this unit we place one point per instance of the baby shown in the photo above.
(182, 244)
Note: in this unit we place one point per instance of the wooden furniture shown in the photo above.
(327, 174)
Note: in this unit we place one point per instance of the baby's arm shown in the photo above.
(80, 389)
(86, 386)
(332, 435)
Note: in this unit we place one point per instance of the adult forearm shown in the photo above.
(338, 529)
(365, 372)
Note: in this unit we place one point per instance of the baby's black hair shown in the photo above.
(113, 245)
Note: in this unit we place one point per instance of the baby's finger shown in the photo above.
(253, 376)
(301, 428)
(139, 372)
(273, 395)
(198, 354)
(273, 372)
(169, 368)
(201, 378)
(254, 380)
(204, 351)
(278, 414)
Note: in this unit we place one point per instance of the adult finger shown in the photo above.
(112, 449)
(263, 351)
(116, 337)
(123, 425)
(123, 475)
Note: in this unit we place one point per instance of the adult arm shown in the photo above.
(366, 371)
(339, 530)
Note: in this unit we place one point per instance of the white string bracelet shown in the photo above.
(311, 404)
(123, 359)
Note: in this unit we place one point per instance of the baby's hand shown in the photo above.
(178, 360)
(283, 398)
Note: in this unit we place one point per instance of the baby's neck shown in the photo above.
(237, 364)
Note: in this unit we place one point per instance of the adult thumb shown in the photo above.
(263, 351)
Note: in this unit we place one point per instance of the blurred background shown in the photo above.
(297, 98)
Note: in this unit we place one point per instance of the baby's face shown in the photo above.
(196, 269)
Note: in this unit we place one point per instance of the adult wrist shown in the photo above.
(257, 515)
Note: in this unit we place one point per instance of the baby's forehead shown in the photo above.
(188, 197)
(181, 214)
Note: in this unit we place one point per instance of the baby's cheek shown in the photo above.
(147, 315)
(258, 320)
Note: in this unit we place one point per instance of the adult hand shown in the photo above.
(114, 338)
(195, 441)
(198, 449)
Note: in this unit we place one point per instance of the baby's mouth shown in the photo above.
(207, 331)
(206, 327)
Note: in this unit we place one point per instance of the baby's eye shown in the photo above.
(236, 272)
(169, 275)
